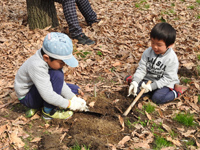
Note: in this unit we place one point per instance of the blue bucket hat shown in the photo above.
(59, 46)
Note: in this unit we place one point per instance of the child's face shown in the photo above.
(158, 46)
(55, 64)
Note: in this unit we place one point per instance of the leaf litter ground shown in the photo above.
(121, 36)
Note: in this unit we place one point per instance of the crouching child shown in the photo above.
(39, 82)
(159, 64)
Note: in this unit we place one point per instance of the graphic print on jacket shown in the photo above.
(155, 68)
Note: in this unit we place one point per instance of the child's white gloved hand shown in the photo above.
(77, 103)
(146, 87)
(133, 88)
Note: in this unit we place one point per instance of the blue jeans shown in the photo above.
(33, 98)
(159, 96)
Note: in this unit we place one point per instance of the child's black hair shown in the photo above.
(42, 52)
(164, 31)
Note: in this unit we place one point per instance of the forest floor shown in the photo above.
(121, 37)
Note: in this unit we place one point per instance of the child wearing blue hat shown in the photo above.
(39, 82)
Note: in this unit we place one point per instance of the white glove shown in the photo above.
(146, 87)
(77, 103)
(133, 88)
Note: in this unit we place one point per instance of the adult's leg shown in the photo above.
(86, 10)
(163, 95)
(69, 9)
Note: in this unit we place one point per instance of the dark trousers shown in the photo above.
(69, 9)
(160, 96)
(33, 98)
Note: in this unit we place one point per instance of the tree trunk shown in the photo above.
(41, 14)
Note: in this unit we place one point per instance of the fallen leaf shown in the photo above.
(123, 141)
(167, 128)
(174, 141)
(140, 145)
(116, 64)
(62, 137)
(121, 120)
(35, 140)
(148, 116)
(91, 104)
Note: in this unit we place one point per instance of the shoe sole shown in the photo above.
(49, 118)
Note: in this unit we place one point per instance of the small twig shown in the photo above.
(95, 94)
(4, 147)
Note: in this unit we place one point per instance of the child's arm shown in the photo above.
(142, 68)
(66, 91)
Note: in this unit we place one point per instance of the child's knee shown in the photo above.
(56, 74)
(157, 99)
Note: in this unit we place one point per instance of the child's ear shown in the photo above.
(45, 57)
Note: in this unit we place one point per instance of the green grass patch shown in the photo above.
(161, 142)
(172, 11)
(198, 57)
(137, 5)
(112, 69)
(99, 53)
(78, 147)
(172, 4)
(147, 6)
(190, 143)
(143, 123)
(162, 19)
(172, 134)
(198, 16)
(131, 124)
(149, 108)
(191, 7)
(156, 127)
(140, 111)
(176, 18)
(185, 119)
(142, 3)
(199, 98)
(185, 80)
(82, 54)
(198, 1)
(198, 70)
(128, 123)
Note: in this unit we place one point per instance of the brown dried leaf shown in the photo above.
(121, 120)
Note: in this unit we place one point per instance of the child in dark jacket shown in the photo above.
(39, 82)
(159, 64)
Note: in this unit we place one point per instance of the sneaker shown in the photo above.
(31, 112)
(57, 114)
(95, 21)
(180, 89)
(128, 79)
(83, 39)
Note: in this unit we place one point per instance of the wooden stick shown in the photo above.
(135, 100)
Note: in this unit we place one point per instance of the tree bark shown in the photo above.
(41, 14)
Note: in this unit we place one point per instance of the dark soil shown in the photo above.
(96, 129)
